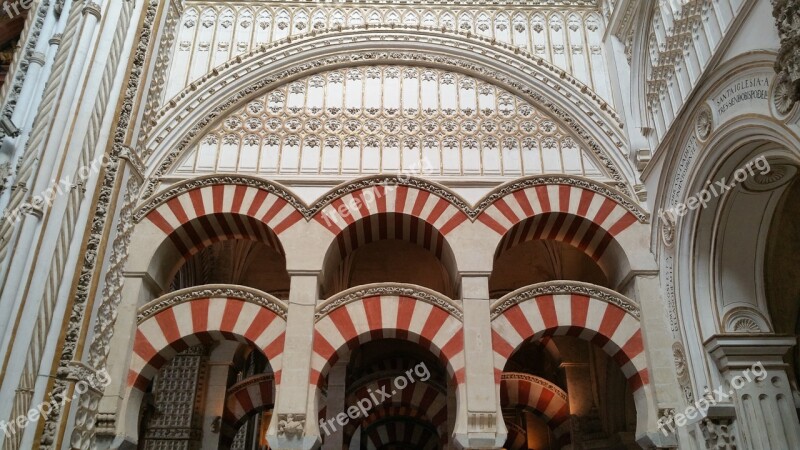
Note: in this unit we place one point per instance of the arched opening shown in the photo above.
(390, 247)
(205, 369)
(782, 264)
(393, 382)
(555, 245)
(223, 248)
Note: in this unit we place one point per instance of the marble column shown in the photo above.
(756, 381)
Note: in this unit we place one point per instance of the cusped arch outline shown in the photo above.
(230, 85)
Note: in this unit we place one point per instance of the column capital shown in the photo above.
(732, 351)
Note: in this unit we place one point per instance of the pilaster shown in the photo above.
(294, 425)
(757, 384)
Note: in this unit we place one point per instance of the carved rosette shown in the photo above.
(704, 123)
(668, 229)
(783, 94)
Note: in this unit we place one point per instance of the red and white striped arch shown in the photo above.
(202, 321)
(401, 432)
(249, 396)
(578, 232)
(511, 209)
(606, 325)
(199, 217)
(523, 390)
(517, 437)
(392, 411)
(387, 316)
(399, 199)
(382, 226)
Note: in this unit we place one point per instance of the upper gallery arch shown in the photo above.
(533, 87)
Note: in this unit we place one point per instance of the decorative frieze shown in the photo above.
(212, 291)
(416, 292)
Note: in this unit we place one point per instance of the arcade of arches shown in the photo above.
(362, 225)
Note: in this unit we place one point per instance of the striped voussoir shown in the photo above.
(411, 201)
(517, 437)
(578, 232)
(401, 432)
(202, 216)
(383, 226)
(606, 325)
(203, 321)
(427, 398)
(537, 394)
(391, 411)
(387, 317)
(249, 396)
(511, 209)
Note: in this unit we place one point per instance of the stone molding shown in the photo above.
(535, 380)
(388, 289)
(565, 288)
(246, 294)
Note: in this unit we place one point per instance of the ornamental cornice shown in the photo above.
(566, 288)
(535, 380)
(245, 68)
(388, 289)
(246, 294)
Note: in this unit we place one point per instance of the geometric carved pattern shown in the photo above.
(382, 317)
(519, 389)
(606, 325)
(511, 209)
(203, 321)
(385, 119)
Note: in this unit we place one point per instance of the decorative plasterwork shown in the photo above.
(12, 88)
(253, 68)
(384, 119)
(535, 380)
(787, 63)
(389, 289)
(246, 294)
(704, 123)
(745, 320)
(565, 288)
